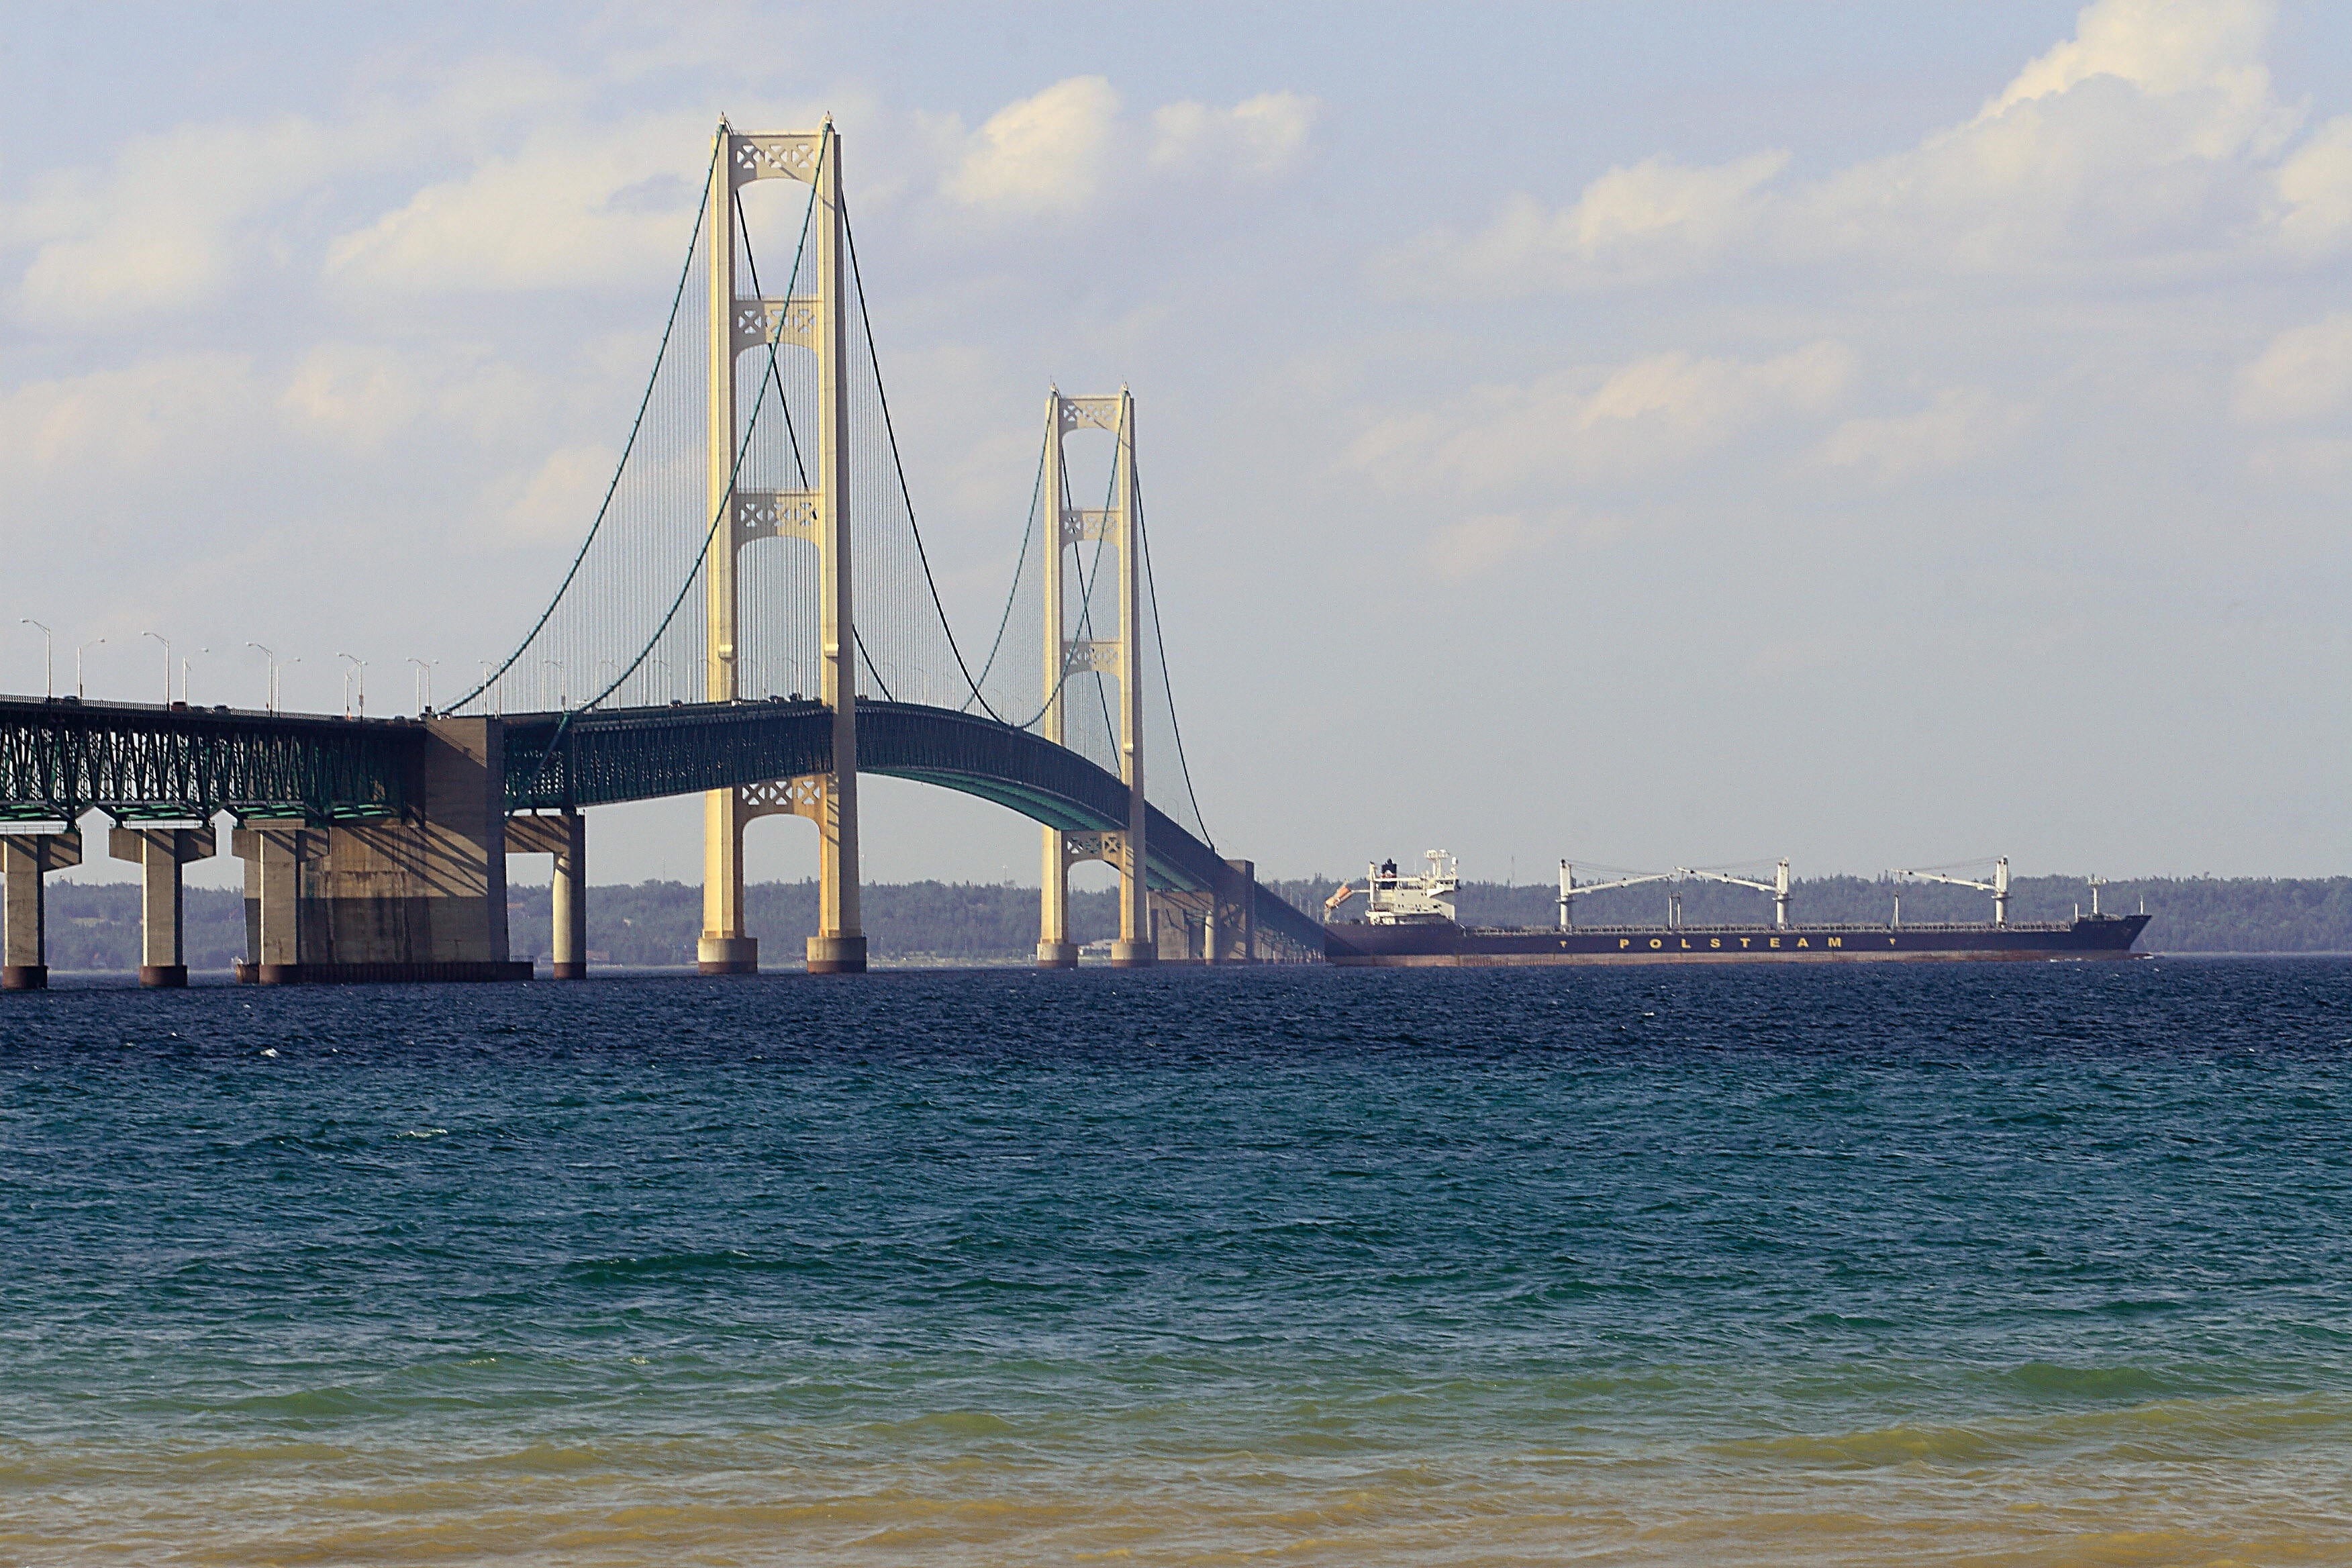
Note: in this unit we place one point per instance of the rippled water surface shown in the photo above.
(2007, 1264)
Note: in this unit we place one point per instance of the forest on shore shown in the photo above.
(95, 926)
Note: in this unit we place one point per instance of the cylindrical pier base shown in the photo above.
(1057, 955)
(837, 956)
(567, 971)
(164, 975)
(1133, 954)
(24, 977)
(728, 955)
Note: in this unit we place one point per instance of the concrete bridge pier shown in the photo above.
(273, 853)
(1234, 917)
(421, 897)
(564, 837)
(159, 852)
(25, 859)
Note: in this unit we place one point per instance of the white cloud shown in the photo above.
(1068, 148)
(358, 395)
(165, 227)
(1484, 544)
(166, 412)
(1043, 153)
(1960, 426)
(1265, 136)
(2305, 374)
(1637, 223)
(572, 208)
(182, 215)
(1635, 420)
(559, 501)
(2151, 134)
(2313, 192)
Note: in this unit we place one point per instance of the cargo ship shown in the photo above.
(1408, 921)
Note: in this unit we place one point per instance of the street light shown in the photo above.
(92, 643)
(167, 663)
(184, 663)
(272, 698)
(48, 658)
(543, 665)
(424, 676)
(359, 668)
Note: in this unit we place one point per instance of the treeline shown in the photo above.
(655, 924)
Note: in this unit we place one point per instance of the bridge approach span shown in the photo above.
(144, 761)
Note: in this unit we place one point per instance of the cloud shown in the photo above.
(2305, 374)
(2148, 134)
(1485, 543)
(1069, 147)
(181, 217)
(1265, 136)
(1960, 426)
(2313, 191)
(169, 411)
(1635, 420)
(1043, 153)
(571, 208)
(559, 501)
(166, 227)
(1654, 219)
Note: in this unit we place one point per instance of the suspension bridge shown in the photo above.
(752, 616)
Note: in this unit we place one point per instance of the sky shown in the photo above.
(1644, 433)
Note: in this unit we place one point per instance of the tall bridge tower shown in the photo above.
(1120, 658)
(821, 517)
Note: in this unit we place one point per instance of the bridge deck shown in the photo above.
(61, 758)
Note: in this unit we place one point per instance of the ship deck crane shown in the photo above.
(1777, 887)
(1568, 890)
(1998, 887)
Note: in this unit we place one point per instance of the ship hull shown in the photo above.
(1441, 943)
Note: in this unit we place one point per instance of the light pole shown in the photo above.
(271, 700)
(92, 643)
(425, 678)
(48, 658)
(359, 668)
(184, 662)
(167, 663)
(544, 664)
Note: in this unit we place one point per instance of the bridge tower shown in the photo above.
(820, 517)
(1120, 657)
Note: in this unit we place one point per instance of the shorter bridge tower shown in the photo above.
(1118, 656)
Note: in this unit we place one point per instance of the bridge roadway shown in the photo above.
(60, 758)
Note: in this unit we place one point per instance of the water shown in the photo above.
(2002, 1264)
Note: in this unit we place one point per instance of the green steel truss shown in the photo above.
(60, 759)
(554, 761)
